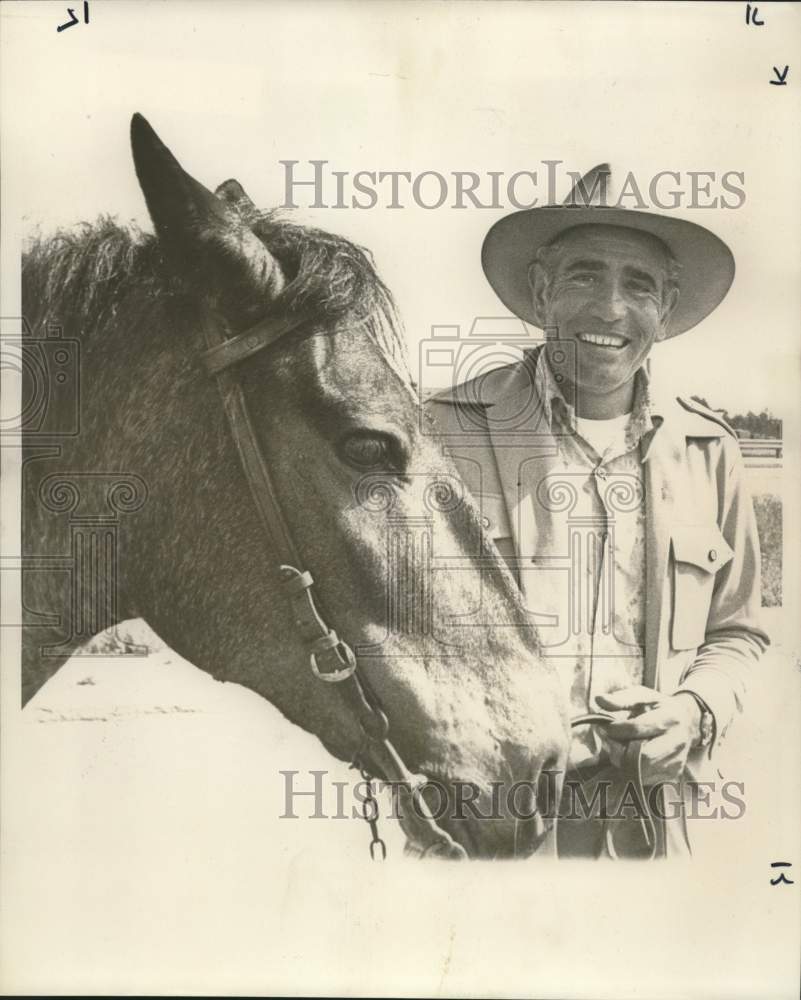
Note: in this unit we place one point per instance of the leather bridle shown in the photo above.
(331, 659)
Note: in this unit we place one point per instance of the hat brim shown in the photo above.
(707, 264)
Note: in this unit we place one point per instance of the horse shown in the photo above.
(400, 560)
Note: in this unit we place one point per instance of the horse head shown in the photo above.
(403, 568)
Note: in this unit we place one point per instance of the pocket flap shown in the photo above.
(702, 545)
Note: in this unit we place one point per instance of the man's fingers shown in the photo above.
(642, 727)
(662, 748)
(630, 697)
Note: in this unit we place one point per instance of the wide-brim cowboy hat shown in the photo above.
(511, 245)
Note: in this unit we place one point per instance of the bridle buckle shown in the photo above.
(332, 644)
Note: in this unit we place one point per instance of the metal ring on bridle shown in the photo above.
(342, 651)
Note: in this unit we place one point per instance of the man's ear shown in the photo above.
(670, 301)
(538, 283)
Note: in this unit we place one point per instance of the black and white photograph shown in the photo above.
(401, 498)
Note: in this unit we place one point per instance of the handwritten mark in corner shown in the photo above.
(781, 78)
(73, 18)
(751, 15)
(781, 878)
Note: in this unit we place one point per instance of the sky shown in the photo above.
(236, 88)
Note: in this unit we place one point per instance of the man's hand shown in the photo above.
(670, 724)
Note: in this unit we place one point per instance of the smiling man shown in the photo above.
(627, 522)
(610, 289)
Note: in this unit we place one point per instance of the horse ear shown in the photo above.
(232, 192)
(202, 233)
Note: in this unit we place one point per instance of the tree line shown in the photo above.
(748, 425)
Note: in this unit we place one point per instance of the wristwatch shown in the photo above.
(706, 724)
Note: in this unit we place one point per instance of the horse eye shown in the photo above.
(367, 451)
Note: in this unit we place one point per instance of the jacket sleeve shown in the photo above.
(735, 639)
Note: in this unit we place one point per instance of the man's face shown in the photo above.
(607, 294)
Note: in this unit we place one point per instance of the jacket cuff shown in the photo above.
(714, 689)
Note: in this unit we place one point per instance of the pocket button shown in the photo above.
(713, 554)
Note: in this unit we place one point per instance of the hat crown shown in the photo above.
(591, 190)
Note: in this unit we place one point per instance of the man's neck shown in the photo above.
(601, 406)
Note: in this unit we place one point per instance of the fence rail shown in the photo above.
(761, 447)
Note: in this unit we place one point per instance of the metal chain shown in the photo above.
(378, 849)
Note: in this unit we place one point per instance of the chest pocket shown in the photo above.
(699, 552)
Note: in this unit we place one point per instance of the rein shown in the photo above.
(631, 772)
(331, 659)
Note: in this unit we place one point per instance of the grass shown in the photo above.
(768, 510)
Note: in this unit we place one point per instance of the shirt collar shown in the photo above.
(557, 411)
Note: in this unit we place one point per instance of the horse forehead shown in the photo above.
(351, 367)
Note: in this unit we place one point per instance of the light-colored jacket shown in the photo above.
(703, 631)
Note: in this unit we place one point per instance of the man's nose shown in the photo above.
(609, 304)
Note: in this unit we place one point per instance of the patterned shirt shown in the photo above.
(590, 558)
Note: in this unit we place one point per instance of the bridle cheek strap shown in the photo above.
(218, 359)
(331, 659)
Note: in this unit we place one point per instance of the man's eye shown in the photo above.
(582, 278)
(367, 451)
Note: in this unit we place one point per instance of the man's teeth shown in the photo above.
(607, 341)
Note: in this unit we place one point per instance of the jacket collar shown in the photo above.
(504, 391)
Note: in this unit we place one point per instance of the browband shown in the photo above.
(216, 359)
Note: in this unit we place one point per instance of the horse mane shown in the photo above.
(91, 275)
